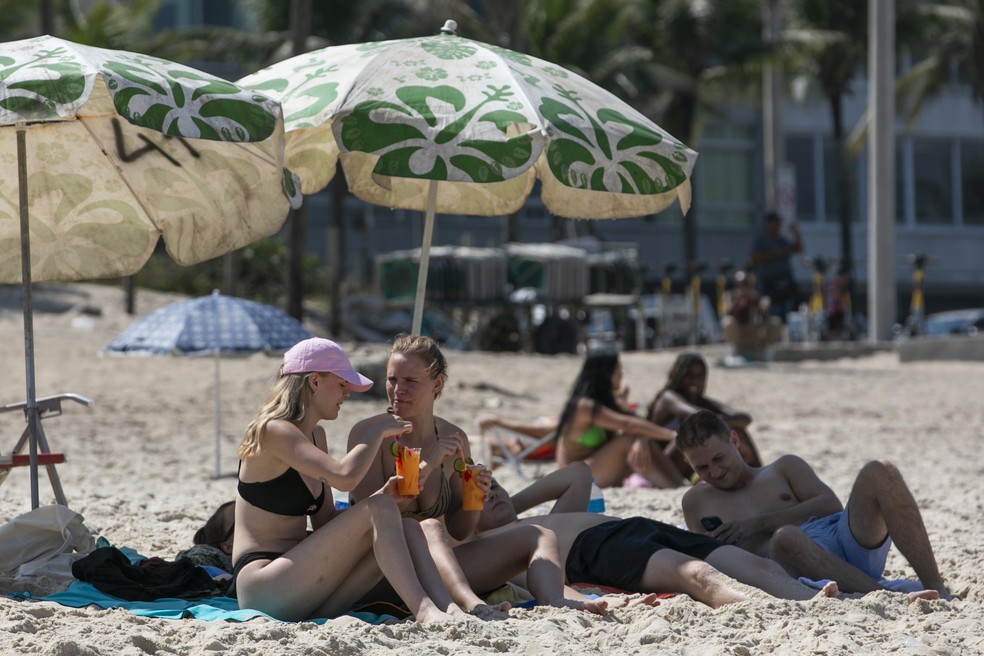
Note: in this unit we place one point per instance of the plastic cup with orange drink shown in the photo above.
(407, 466)
(472, 496)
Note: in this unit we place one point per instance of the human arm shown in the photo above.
(536, 428)
(570, 486)
(813, 498)
(797, 246)
(286, 443)
(630, 424)
(732, 417)
(366, 439)
(461, 523)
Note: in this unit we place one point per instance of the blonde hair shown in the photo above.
(287, 400)
(424, 348)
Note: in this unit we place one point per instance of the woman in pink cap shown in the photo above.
(284, 476)
(416, 372)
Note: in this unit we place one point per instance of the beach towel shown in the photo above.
(80, 595)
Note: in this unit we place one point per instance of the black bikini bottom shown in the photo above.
(245, 560)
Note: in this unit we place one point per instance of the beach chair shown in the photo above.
(500, 445)
(49, 406)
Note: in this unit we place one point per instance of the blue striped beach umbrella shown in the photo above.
(211, 325)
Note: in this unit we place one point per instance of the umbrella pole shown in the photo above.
(418, 303)
(31, 407)
(218, 419)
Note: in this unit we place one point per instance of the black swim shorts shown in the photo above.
(615, 553)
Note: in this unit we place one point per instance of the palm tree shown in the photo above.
(828, 43)
(703, 53)
(952, 35)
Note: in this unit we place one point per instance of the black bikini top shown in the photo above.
(286, 494)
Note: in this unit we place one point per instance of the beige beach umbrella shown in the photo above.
(103, 153)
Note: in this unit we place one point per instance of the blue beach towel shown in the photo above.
(79, 595)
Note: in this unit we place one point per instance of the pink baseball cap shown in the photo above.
(323, 355)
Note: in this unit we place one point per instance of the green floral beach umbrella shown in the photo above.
(446, 124)
(103, 153)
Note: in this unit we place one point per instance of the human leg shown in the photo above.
(491, 561)
(609, 462)
(671, 571)
(800, 555)
(882, 506)
(763, 574)
(316, 575)
(439, 544)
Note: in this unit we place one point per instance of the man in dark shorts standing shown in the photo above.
(638, 554)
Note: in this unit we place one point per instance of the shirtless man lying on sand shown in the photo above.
(784, 512)
(637, 554)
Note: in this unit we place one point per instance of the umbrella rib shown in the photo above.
(119, 169)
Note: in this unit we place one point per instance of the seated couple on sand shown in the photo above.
(784, 512)
(598, 426)
(282, 568)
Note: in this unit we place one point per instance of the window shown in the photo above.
(972, 181)
(799, 152)
(727, 175)
(932, 173)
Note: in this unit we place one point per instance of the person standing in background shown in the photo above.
(771, 257)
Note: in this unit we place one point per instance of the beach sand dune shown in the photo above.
(141, 461)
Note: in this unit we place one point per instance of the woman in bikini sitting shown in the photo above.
(596, 427)
(416, 373)
(684, 394)
(284, 476)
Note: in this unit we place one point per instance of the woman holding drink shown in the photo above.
(284, 476)
(416, 372)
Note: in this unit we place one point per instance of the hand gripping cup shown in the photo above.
(407, 466)
(472, 496)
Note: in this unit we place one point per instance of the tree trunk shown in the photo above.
(300, 24)
(336, 251)
(845, 184)
(679, 120)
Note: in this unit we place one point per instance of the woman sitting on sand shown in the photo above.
(416, 373)
(284, 477)
(683, 395)
(595, 427)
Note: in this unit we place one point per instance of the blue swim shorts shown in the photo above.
(833, 534)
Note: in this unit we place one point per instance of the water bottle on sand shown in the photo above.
(597, 501)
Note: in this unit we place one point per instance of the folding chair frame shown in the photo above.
(49, 406)
(531, 445)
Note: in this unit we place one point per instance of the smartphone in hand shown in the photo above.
(711, 522)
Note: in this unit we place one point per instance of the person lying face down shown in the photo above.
(637, 554)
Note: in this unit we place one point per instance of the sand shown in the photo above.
(141, 465)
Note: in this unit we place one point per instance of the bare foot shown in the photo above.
(651, 599)
(596, 606)
(627, 601)
(829, 590)
(487, 611)
(432, 615)
(928, 595)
